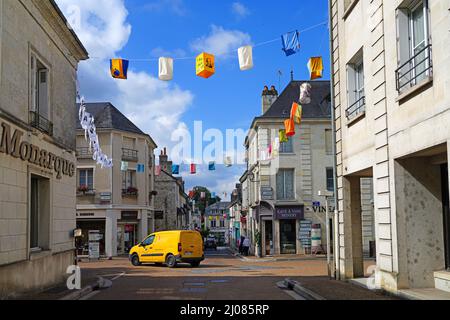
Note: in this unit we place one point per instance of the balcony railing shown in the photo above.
(130, 192)
(39, 122)
(356, 108)
(129, 155)
(414, 70)
(84, 153)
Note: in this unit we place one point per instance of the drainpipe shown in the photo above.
(336, 254)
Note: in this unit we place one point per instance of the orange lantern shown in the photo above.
(205, 66)
(289, 124)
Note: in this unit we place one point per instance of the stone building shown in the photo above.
(118, 202)
(173, 209)
(282, 191)
(39, 57)
(392, 108)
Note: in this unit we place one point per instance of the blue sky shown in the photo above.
(147, 29)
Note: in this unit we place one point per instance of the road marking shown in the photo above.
(90, 295)
(118, 276)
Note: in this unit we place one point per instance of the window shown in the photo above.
(128, 179)
(287, 147)
(285, 184)
(40, 93)
(213, 223)
(149, 241)
(413, 44)
(328, 142)
(86, 178)
(355, 87)
(330, 179)
(39, 213)
(222, 223)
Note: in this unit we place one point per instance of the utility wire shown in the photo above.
(224, 53)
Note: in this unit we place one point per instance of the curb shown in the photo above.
(302, 291)
(78, 294)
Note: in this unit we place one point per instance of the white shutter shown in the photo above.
(33, 83)
(403, 36)
(43, 93)
(351, 85)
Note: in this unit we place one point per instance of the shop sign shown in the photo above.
(290, 213)
(266, 193)
(13, 146)
(129, 215)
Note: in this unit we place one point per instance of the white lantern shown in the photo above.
(245, 58)
(165, 69)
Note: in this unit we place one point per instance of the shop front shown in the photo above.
(87, 226)
(127, 231)
(288, 218)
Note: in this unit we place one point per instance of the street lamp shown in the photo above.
(327, 195)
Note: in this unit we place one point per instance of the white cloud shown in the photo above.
(221, 41)
(239, 10)
(156, 107)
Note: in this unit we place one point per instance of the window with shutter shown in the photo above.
(355, 86)
(285, 184)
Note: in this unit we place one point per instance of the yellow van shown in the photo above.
(169, 247)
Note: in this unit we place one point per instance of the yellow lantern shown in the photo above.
(205, 66)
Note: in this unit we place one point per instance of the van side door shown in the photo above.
(146, 249)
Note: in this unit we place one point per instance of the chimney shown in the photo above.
(268, 98)
(163, 161)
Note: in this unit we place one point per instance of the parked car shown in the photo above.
(170, 248)
(211, 243)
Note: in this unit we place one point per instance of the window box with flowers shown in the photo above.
(85, 190)
(130, 192)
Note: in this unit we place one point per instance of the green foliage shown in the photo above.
(200, 203)
(257, 237)
(205, 232)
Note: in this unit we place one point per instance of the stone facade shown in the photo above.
(37, 154)
(172, 205)
(123, 216)
(309, 160)
(399, 139)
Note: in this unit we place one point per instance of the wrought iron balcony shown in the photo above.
(419, 67)
(84, 153)
(39, 122)
(129, 155)
(356, 108)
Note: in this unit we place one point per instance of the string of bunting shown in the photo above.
(205, 62)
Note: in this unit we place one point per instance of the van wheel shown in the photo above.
(135, 260)
(171, 261)
(195, 264)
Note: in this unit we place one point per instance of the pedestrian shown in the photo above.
(241, 245)
(246, 246)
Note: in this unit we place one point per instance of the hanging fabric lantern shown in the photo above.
(282, 136)
(157, 170)
(175, 169)
(245, 58)
(305, 93)
(210, 218)
(315, 66)
(291, 42)
(119, 68)
(296, 113)
(205, 66)
(193, 169)
(165, 69)
(290, 127)
(124, 166)
(191, 194)
(212, 166)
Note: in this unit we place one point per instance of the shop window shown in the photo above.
(40, 95)
(288, 240)
(39, 214)
(86, 178)
(285, 184)
(413, 44)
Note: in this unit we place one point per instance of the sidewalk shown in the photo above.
(322, 288)
(280, 258)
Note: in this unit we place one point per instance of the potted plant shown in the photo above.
(258, 243)
(83, 189)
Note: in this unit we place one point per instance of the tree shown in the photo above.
(200, 203)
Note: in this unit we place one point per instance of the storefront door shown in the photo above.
(268, 239)
(288, 241)
(126, 238)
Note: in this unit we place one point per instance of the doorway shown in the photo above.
(126, 238)
(288, 239)
(446, 212)
(268, 237)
